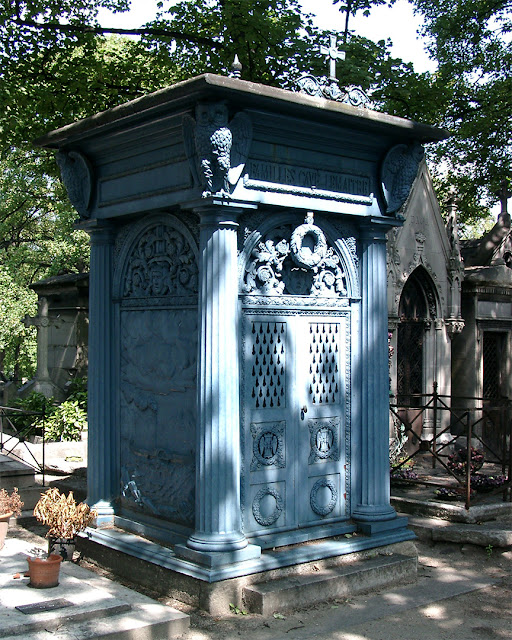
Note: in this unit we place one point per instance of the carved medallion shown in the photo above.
(398, 172)
(273, 516)
(324, 439)
(312, 254)
(268, 445)
(323, 508)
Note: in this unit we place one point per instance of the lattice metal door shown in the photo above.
(294, 422)
(410, 360)
(492, 363)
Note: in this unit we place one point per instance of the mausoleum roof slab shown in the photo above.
(240, 93)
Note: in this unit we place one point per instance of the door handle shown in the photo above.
(303, 412)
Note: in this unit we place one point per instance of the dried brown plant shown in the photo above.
(62, 515)
(10, 502)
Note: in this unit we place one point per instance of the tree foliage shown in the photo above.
(471, 40)
(58, 64)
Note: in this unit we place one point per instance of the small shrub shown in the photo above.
(67, 422)
(403, 474)
(62, 515)
(10, 502)
(30, 424)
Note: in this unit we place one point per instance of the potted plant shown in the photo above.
(64, 519)
(10, 505)
(43, 570)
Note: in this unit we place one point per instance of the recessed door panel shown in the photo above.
(294, 411)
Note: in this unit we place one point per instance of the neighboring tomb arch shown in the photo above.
(418, 311)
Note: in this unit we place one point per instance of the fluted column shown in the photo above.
(102, 476)
(374, 505)
(218, 515)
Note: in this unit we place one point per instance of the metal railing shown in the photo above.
(482, 423)
(12, 435)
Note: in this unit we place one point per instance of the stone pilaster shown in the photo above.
(374, 506)
(102, 474)
(218, 515)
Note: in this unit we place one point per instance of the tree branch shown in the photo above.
(75, 28)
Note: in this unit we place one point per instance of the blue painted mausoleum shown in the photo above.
(238, 362)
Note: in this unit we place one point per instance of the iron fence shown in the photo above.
(480, 424)
(16, 432)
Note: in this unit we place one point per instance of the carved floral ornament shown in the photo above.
(297, 263)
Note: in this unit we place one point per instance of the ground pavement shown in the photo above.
(463, 592)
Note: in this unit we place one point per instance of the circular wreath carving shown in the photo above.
(305, 257)
(256, 507)
(313, 499)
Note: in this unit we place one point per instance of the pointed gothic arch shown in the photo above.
(418, 308)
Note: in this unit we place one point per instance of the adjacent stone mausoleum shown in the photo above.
(238, 362)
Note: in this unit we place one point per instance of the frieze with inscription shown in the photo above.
(304, 180)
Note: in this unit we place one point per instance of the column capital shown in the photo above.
(100, 231)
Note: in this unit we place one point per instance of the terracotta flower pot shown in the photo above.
(4, 525)
(64, 547)
(44, 572)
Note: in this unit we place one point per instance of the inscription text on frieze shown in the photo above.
(290, 175)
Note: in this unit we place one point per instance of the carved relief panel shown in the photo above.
(157, 288)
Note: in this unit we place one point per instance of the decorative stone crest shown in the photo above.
(329, 87)
(217, 151)
(268, 520)
(330, 90)
(161, 264)
(324, 439)
(76, 172)
(323, 509)
(398, 172)
(268, 445)
(273, 267)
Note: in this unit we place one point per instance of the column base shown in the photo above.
(383, 526)
(214, 542)
(373, 513)
(105, 515)
(215, 559)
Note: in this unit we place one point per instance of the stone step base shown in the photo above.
(299, 591)
(14, 473)
(97, 608)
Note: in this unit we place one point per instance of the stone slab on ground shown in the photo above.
(449, 511)
(100, 608)
(15, 473)
(303, 590)
(496, 533)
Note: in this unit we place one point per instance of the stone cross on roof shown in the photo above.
(334, 54)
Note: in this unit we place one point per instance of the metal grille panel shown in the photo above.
(493, 344)
(410, 358)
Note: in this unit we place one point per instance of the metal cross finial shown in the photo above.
(334, 54)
